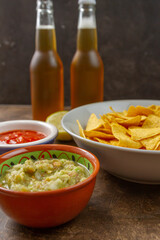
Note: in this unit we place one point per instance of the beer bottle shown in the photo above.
(87, 71)
(46, 68)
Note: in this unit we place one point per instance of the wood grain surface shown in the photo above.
(117, 210)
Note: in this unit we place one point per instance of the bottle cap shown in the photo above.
(87, 2)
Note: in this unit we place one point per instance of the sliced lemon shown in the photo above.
(55, 119)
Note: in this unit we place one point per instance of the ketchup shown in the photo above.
(20, 136)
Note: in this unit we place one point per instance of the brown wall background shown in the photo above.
(128, 40)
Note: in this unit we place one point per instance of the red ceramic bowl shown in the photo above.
(49, 208)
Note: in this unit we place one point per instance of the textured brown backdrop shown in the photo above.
(129, 43)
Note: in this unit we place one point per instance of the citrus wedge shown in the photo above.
(55, 119)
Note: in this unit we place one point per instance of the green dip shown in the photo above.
(43, 175)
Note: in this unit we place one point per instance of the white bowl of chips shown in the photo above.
(127, 141)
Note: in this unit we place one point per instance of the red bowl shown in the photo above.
(49, 208)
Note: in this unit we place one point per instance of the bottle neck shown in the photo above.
(87, 30)
(45, 27)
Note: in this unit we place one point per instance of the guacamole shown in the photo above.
(43, 175)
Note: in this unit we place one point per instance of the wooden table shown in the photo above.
(117, 210)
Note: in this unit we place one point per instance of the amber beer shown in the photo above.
(46, 71)
(87, 72)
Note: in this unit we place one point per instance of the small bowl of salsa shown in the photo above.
(22, 133)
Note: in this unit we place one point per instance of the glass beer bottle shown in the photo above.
(87, 71)
(46, 68)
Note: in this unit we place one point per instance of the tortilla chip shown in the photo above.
(151, 121)
(151, 143)
(120, 133)
(98, 134)
(114, 142)
(81, 131)
(94, 123)
(106, 123)
(156, 109)
(111, 142)
(101, 140)
(130, 121)
(104, 130)
(117, 114)
(138, 133)
(139, 110)
(157, 147)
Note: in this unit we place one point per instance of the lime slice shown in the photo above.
(55, 119)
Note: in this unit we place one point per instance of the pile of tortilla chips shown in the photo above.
(138, 127)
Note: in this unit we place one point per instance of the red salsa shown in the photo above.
(20, 136)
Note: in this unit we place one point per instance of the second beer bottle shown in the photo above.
(87, 72)
(46, 69)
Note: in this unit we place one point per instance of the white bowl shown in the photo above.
(138, 165)
(49, 130)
